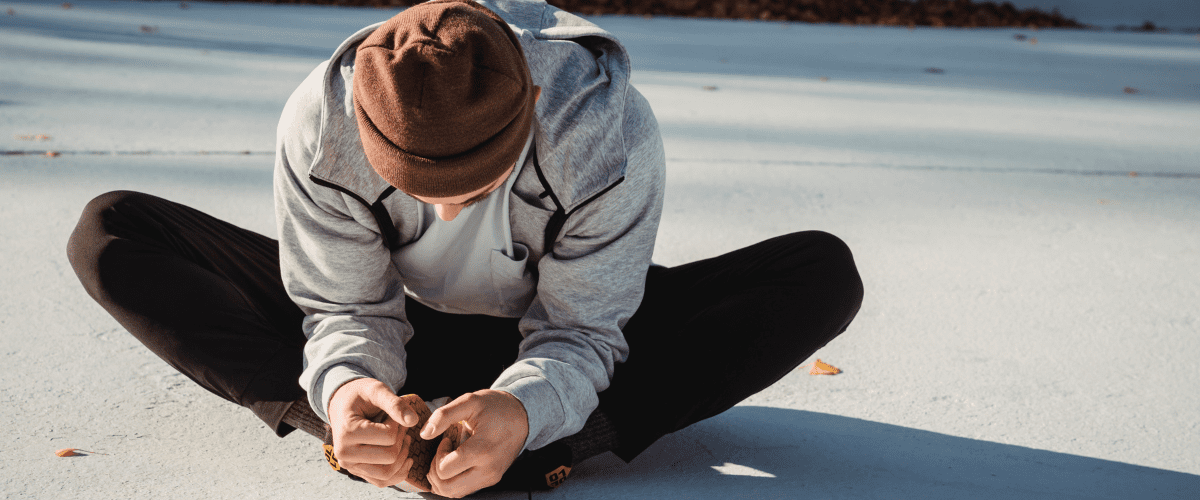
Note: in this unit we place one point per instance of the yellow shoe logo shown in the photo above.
(557, 476)
(333, 460)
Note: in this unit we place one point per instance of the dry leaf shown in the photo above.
(71, 452)
(824, 78)
(936, 71)
(149, 29)
(1133, 174)
(67, 5)
(822, 368)
(710, 88)
(53, 154)
(11, 12)
(1130, 90)
(1033, 40)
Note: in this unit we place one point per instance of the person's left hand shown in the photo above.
(499, 426)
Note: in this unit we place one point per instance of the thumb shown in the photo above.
(463, 408)
(392, 405)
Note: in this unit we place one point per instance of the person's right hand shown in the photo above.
(369, 431)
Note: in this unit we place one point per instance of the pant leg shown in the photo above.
(202, 294)
(711, 333)
(454, 354)
(207, 298)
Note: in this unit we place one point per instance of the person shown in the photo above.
(467, 199)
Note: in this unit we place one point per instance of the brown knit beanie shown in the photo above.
(443, 97)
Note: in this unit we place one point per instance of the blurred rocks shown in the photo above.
(937, 13)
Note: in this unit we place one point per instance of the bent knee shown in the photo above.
(820, 246)
(92, 232)
(834, 260)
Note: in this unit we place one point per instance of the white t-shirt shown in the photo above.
(470, 265)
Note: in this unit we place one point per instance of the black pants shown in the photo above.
(207, 298)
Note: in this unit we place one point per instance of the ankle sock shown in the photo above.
(545, 468)
(301, 416)
(597, 436)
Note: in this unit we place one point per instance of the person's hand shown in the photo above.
(369, 424)
(499, 426)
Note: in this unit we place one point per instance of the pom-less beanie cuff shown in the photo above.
(443, 98)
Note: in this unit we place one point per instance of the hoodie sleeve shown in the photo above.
(334, 265)
(588, 288)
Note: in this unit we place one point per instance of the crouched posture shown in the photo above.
(467, 201)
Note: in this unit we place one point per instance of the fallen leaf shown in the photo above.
(935, 71)
(824, 78)
(11, 12)
(1133, 174)
(149, 29)
(822, 368)
(53, 154)
(1130, 90)
(71, 452)
(67, 5)
(710, 88)
(1033, 40)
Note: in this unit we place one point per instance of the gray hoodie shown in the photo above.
(599, 163)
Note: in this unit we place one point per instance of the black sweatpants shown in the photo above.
(206, 297)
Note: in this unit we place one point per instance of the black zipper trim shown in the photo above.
(391, 235)
(559, 218)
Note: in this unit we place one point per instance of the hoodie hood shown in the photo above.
(583, 72)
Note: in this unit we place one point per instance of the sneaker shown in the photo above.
(421, 450)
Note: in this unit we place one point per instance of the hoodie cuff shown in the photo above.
(542, 406)
(328, 383)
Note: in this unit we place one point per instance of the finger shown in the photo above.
(383, 473)
(366, 454)
(398, 471)
(394, 407)
(449, 462)
(371, 473)
(365, 432)
(436, 483)
(463, 408)
(464, 484)
(367, 472)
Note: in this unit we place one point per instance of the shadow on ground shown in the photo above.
(757, 452)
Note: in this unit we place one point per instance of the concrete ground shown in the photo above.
(1027, 233)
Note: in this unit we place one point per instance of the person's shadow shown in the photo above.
(757, 452)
